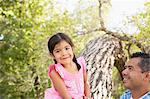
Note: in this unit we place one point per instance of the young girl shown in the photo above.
(68, 74)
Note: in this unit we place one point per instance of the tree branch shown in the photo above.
(124, 37)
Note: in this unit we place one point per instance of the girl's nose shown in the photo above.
(64, 52)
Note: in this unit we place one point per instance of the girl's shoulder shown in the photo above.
(51, 67)
(81, 59)
(82, 62)
(55, 67)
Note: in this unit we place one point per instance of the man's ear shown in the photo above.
(148, 75)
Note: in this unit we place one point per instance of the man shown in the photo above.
(136, 77)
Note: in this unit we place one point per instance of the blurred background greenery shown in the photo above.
(26, 25)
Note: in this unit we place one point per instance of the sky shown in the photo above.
(117, 14)
(121, 9)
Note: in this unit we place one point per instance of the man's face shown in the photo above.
(132, 74)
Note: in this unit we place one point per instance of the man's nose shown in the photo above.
(125, 71)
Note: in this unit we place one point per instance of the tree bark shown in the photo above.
(101, 54)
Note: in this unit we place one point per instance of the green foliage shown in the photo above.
(117, 84)
(21, 49)
(24, 55)
(26, 26)
(142, 21)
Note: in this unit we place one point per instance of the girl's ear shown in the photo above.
(73, 49)
(51, 55)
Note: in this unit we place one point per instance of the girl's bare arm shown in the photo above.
(86, 86)
(59, 85)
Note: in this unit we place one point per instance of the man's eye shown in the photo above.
(130, 68)
(125, 67)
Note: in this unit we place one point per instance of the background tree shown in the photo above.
(20, 50)
(110, 50)
(26, 25)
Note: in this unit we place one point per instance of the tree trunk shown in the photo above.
(101, 54)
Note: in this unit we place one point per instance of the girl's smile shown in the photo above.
(63, 53)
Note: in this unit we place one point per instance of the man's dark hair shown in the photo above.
(145, 60)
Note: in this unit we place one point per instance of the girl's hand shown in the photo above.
(84, 97)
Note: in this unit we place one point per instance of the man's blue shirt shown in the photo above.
(127, 95)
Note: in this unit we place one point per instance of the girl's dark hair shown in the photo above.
(55, 39)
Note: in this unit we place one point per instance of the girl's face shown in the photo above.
(63, 53)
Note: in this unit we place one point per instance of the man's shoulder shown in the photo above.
(146, 96)
(126, 95)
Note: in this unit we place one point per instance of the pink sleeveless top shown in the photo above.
(74, 82)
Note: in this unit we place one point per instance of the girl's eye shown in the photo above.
(67, 48)
(57, 51)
